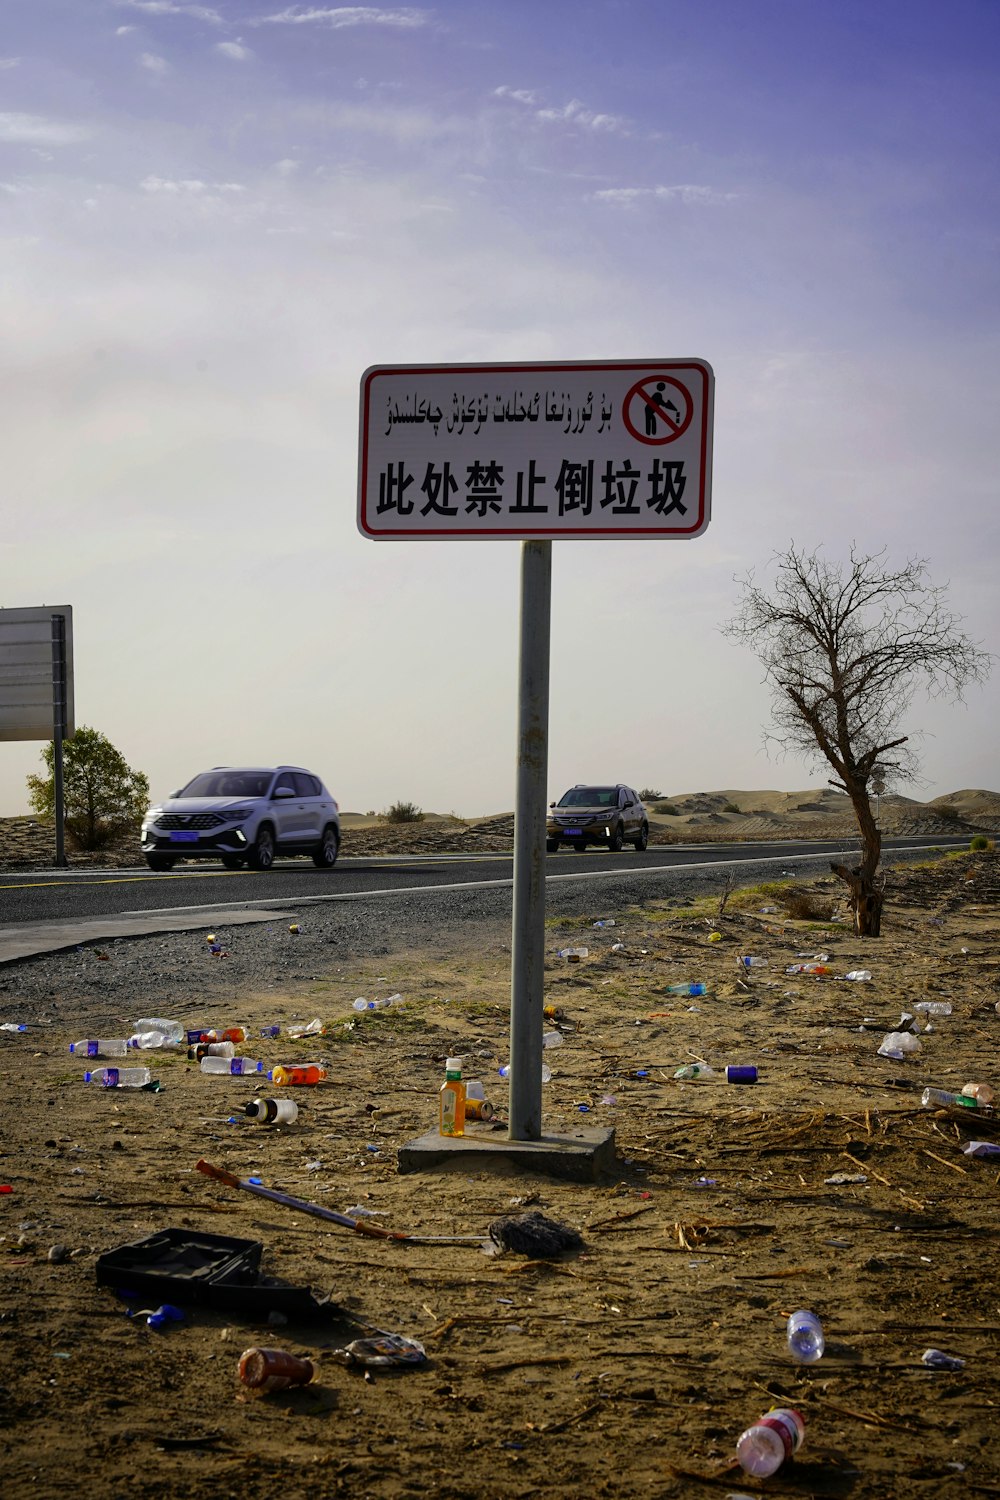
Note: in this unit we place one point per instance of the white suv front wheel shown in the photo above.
(261, 852)
(325, 857)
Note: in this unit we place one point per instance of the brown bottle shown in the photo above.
(274, 1369)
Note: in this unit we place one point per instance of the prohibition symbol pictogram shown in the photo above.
(657, 409)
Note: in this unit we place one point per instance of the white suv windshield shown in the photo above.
(229, 784)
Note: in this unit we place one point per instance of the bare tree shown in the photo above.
(844, 649)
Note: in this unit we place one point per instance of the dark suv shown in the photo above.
(611, 815)
(244, 815)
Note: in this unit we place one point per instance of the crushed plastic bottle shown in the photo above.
(573, 955)
(607, 922)
(805, 1337)
(982, 1148)
(552, 1039)
(231, 1065)
(932, 1008)
(693, 988)
(808, 968)
(149, 1041)
(230, 1034)
(899, 1045)
(763, 1448)
(270, 1031)
(100, 1047)
(307, 1028)
(12, 1026)
(936, 1359)
(696, 1070)
(172, 1029)
(165, 1314)
(861, 975)
(120, 1078)
(983, 1093)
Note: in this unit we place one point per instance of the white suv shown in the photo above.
(244, 815)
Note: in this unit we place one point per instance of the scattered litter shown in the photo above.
(861, 975)
(899, 1045)
(843, 1179)
(382, 1350)
(982, 1148)
(12, 1026)
(533, 1234)
(308, 1028)
(573, 955)
(267, 1370)
(934, 1359)
(606, 922)
(165, 1314)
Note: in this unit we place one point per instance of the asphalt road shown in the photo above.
(64, 895)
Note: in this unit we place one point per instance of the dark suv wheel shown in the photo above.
(261, 853)
(160, 861)
(643, 839)
(552, 845)
(325, 856)
(617, 839)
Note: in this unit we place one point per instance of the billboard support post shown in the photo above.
(58, 731)
(528, 922)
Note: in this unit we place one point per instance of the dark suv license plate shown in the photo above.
(573, 833)
(183, 836)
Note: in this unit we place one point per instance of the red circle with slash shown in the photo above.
(666, 428)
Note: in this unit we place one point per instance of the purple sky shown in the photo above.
(213, 218)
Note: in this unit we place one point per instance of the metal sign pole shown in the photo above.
(58, 729)
(528, 929)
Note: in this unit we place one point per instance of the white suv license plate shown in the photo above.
(182, 836)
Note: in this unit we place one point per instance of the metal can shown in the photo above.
(478, 1109)
(741, 1075)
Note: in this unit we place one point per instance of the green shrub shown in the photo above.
(666, 810)
(647, 794)
(404, 812)
(979, 844)
(949, 811)
(731, 807)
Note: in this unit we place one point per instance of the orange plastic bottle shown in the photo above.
(297, 1073)
(452, 1099)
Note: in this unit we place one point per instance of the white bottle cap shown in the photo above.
(453, 1065)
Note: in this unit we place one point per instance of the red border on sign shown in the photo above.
(692, 368)
(676, 430)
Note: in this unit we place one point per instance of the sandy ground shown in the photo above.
(627, 1368)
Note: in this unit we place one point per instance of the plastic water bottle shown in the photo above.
(296, 1073)
(805, 1337)
(119, 1078)
(546, 1073)
(362, 1004)
(936, 1098)
(685, 989)
(309, 1028)
(573, 955)
(148, 1041)
(932, 1007)
(695, 1070)
(211, 1049)
(751, 961)
(172, 1029)
(272, 1111)
(230, 1065)
(12, 1026)
(100, 1048)
(861, 974)
(552, 1039)
(763, 1448)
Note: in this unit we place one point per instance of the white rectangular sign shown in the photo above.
(535, 451)
(27, 673)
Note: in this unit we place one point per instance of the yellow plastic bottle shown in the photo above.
(452, 1099)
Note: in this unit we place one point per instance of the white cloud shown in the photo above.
(124, 30)
(193, 185)
(340, 16)
(175, 8)
(235, 50)
(154, 64)
(36, 130)
(684, 192)
(9, 62)
(573, 113)
(287, 167)
(523, 96)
